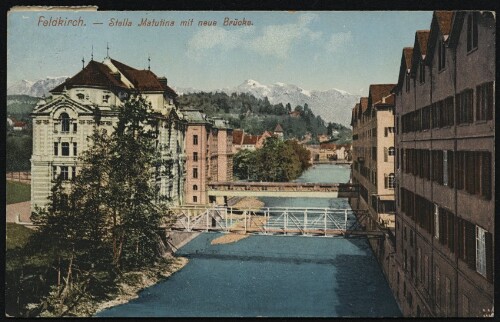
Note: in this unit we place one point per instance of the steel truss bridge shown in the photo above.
(283, 189)
(271, 221)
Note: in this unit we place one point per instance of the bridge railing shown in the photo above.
(282, 186)
(272, 220)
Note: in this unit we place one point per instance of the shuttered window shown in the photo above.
(480, 251)
(484, 101)
(488, 238)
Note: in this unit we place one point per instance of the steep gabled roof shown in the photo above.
(363, 103)
(419, 49)
(487, 18)
(441, 26)
(278, 128)
(404, 67)
(143, 80)
(444, 20)
(354, 113)
(421, 38)
(378, 91)
(94, 74)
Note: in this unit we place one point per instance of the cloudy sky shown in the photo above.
(314, 50)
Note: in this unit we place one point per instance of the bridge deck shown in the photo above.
(283, 189)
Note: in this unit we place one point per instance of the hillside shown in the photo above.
(20, 105)
(256, 115)
(333, 105)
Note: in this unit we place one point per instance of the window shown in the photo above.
(441, 55)
(73, 173)
(75, 125)
(75, 149)
(436, 221)
(447, 300)
(480, 251)
(407, 82)
(445, 168)
(56, 148)
(421, 74)
(54, 172)
(195, 173)
(195, 187)
(65, 148)
(472, 33)
(484, 102)
(64, 173)
(195, 199)
(374, 153)
(195, 139)
(389, 181)
(64, 122)
(80, 96)
(105, 98)
(195, 156)
(464, 106)
(391, 150)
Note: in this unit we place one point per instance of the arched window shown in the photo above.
(80, 96)
(391, 150)
(389, 181)
(65, 122)
(195, 187)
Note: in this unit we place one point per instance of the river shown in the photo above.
(273, 276)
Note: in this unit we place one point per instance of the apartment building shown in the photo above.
(89, 100)
(373, 155)
(445, 138)
(209, 155)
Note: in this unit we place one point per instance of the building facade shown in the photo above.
(445, 138)
(90, 100)
(373, 155)
(209, 151)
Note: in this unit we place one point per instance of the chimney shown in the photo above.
(163, 81)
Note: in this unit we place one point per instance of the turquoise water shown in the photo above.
(272, 276)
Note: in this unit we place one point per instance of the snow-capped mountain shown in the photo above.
(332, 105)
(37, 89)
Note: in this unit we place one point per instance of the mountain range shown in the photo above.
(333, 105)
(37, 88)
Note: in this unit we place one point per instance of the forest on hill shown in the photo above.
(256, 115)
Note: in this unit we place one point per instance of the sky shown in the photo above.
(316, 50)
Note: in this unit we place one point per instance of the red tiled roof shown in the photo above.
(422, 37)
(363, 103)
(98, 74)
(143, 80)
(278, 128)
(19, 124)
(408, 53)
(237, 137)
(94, 74)
(250, 139)
(444, 19)
(377, 91)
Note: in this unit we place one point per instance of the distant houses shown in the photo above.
(244, 141)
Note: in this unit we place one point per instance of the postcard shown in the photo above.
(250, 163)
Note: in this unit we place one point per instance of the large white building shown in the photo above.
(90, 99)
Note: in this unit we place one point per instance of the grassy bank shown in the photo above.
(17, 192)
